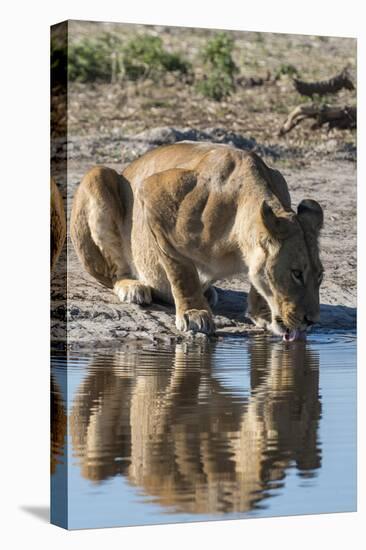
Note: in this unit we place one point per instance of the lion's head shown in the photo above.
(287, 271)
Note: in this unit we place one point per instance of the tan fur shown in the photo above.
(58, 223)
(183, 216)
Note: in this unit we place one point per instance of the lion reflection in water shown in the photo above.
(172, 429)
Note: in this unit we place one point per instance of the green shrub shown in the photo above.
(218, 53)
(220, 67)
(216, 86)
(90, 60)
(145, 56)
(174, 62)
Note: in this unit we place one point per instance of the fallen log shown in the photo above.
(336, 117)
(331, 86)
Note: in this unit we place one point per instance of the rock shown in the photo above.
(166, 135)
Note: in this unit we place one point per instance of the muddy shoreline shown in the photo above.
(85, 314)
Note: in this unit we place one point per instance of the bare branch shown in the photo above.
(336, 117)
(331, 86)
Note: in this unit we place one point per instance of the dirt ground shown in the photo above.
(114, 123)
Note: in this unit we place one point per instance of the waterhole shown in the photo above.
(237, 428)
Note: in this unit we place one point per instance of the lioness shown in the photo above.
(184, 215)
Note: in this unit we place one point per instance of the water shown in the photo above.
(230, 429)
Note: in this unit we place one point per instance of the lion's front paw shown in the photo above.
(197, 320)
(133, 292)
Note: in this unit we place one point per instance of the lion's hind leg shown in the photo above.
(99, 231)
(132, 291)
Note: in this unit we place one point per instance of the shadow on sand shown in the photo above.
(232, 304)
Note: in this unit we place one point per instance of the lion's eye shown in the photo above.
(297, 275)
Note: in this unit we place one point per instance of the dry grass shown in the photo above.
(256, 112)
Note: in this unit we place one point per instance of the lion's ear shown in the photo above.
(311, 213)
(278, 227)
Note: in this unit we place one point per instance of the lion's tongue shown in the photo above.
(291, 335)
